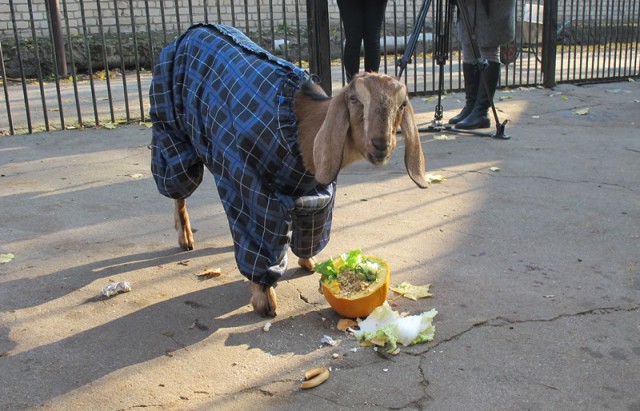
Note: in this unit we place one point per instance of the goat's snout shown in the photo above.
(380, 143)
(381, 149)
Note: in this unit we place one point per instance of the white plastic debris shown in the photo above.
(329, 341)
(266, 327)
(116, 288)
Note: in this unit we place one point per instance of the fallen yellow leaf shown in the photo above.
(413, 292)
(435, 178)
(6, 258)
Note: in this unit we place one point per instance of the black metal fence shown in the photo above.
(82, 63)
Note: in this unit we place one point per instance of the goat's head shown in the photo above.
(361, 122)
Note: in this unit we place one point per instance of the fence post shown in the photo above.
(319, 47)
(58, 40)
(549, 42)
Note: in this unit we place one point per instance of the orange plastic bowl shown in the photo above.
(361, 304)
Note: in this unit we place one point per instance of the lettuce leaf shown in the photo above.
(350, 261)
(385, 323)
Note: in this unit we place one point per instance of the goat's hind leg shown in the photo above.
(183, 225)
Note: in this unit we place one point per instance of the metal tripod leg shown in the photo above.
(442, 49)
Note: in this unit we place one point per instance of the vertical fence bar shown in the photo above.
(123, 67)
(272, 25)
(151, 61)
(550, 42)
(635, 40)
(74, 74)
(625, 42)
(246, 16)
(260, 40)
(89, 63)
(25, 94)
(56, 75)
(39, 66)
(5, 88)
(56, 34)
(134, 35)
(286, 30)
(164, 22)
(205, 8)
(299, 26)
(586, 25)
(105, 60)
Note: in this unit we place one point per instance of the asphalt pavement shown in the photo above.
(531, 246)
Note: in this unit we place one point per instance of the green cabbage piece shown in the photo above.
(353, 261)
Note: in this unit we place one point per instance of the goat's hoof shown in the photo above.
(307, 263)
(186, 241)
(263, 300)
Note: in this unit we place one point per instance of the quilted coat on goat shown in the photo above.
(220, 101)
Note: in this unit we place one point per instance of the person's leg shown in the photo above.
(470, 73)
(489, 77)
(351, 12)
(373, 19)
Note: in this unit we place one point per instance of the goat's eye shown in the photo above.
(353, 99)
(403, 105)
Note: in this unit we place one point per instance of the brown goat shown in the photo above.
(359, 122)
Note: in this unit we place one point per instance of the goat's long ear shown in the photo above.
(413, 156)
(328, 146)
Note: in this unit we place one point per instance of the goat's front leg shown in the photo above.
(307, 263)
(183, 225)
(263, 300)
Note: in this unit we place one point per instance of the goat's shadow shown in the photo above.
(59, 283)
(143, 335)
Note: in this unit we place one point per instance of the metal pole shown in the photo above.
(58, 39)
(319, 48)
(549, 42)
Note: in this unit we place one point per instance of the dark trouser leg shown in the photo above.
(373, 18)
(353, 23)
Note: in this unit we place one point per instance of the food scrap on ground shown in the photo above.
(345, 323)
(210, 273)
(411, 291)
(315, 377)
(354, 284)
(385, 325)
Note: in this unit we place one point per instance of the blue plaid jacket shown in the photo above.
(220, 101)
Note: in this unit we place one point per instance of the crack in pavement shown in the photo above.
(501, 321)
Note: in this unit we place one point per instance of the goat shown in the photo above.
(263, 203)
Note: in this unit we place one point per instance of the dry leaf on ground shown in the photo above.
(6, 258)
(435, 178)
(581, 111)
(411, 291)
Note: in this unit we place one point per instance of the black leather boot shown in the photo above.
(471, 80)
(479, 116)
